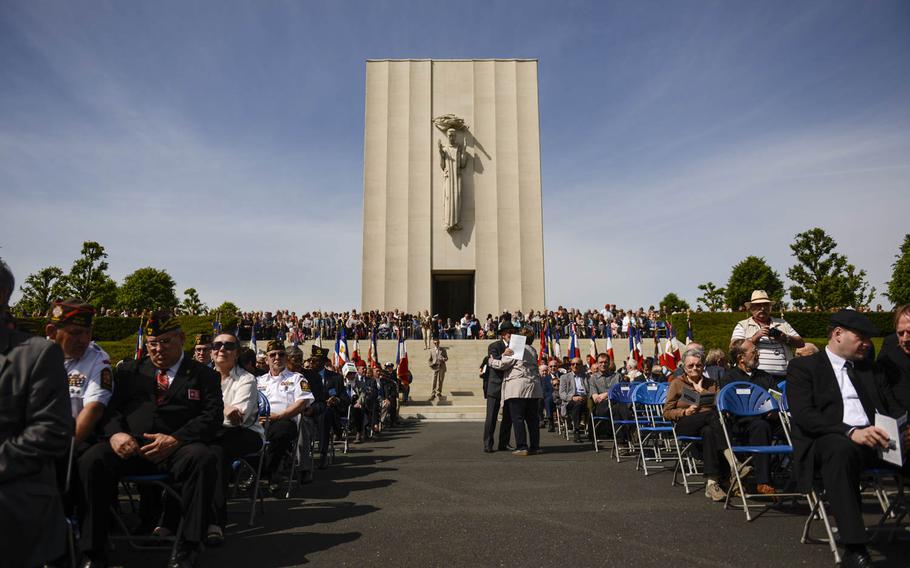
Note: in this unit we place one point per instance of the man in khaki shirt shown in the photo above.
(438, 357)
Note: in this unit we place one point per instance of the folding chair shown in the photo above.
(594, 421)
(163, 482)
(748, 400)
(247, 461)
(686, 464)
(816, 505)
(621, 393)
(648, 400)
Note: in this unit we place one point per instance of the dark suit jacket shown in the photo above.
(36, 427)
(896, 366)
(759, 377)
(192, 411)
(494, 376)
(322, 383)
(817, 406)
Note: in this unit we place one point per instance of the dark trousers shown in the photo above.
(357, 420)
(327, 420)
(489, 426)
(622, 411)
(281, 436)
(524, 414)
(706, 425)
(756, 430)
(192, 467)
(231, 444)
(574, 412)
(841, 462)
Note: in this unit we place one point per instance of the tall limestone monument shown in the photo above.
(452, 219)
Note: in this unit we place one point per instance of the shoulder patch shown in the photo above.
(304, 385)
(107, 379)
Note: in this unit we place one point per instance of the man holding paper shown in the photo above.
(521, 392)
(834, 397)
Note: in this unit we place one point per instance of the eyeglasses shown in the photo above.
(156, 343)
(201, 349)
(227, 345)
(277, 355)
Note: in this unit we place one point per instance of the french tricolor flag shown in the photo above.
(402, 360)
(610, 343)
(573, 344)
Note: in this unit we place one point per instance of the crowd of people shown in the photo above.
(74, 425)
(74, 422)
(834, 395)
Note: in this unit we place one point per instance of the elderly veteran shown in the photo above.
(289, 394)
(774, 338)
(699, 420)
(521, 392)
(88, 367)
(241, 433)
(834, 396)
(165, 411)
(202, 348)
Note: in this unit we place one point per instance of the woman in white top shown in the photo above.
(241, 433)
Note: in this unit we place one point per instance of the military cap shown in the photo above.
(319, 352)
(160, 323)
(72, 311)
(274, 345)
(854, 321)
(294, 352)
(203, 339)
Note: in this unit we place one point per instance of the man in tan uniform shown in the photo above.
(438, 358)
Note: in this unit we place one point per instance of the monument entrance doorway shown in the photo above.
(453, 294)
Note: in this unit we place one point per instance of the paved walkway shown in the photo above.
(425, 495)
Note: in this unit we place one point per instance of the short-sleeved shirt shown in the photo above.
(773, 356)
(284, 389)
(90, 378)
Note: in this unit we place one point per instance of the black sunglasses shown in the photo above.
(226, 345)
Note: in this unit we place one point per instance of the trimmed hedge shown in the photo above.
(713, 329)
(117, 335)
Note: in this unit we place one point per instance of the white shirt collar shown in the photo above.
(172, 371)
(837, 361)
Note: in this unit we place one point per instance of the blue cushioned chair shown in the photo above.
(621, 393)
(654, 433)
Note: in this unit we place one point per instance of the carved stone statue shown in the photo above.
(452, 159)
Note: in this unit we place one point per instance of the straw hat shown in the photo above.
(759, 297)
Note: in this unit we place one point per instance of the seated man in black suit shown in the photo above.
(834, 396)
(166, 408)
(331, 399)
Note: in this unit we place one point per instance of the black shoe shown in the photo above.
(305, 477)
(90, 561)
(488, 450)
(550, 428)
(323, 461)
(185, 557)
(857, 559)
(577, 438)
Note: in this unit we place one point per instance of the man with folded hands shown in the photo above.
(165, 410)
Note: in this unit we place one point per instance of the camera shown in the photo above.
(775, 333)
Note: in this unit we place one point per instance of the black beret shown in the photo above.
(854, 321)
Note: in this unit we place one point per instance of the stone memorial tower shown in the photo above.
(452, 219)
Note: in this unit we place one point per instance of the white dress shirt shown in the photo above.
(854, 413)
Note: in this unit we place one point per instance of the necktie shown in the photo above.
(858, 387)
(163, 385)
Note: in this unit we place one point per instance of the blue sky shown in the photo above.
(222, 141)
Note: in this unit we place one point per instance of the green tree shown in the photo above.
(191, 303)
(899, 286)
(39, 290)
(227, 310)
(147, 289)
(713, 298)
(752, 273)
(673, 303)
(88, 279)
(822, 277)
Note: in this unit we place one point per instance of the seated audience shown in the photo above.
(895, 357)
(241, 434)
(573, 393)
(701, 421)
